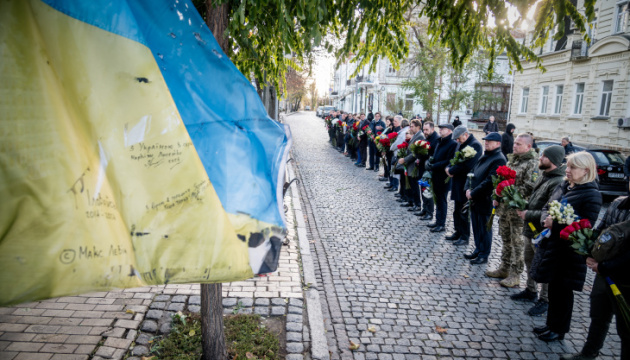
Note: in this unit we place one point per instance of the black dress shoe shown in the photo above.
(406, 205)
(387, 187)
(541, 329)
(438, 229)
(400, 200)
(369, 168)
(427, 217)
(397, 195)
(393, 189)
(460, 242)
(471, 256)
(453, 236)
(432, 225)
(421, 213)
(375, 169)
(550, 336)
(479, 260)
(382, 179)
(412, 209)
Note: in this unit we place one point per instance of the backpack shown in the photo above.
(612, 242)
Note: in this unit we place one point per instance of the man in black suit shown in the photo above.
(442, 156)
(479, 191)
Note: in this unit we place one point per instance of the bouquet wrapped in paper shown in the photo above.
(561, 212)
(419, 148)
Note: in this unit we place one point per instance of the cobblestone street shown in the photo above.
(379, 266)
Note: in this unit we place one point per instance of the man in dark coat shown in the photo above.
(376, 126)
(491, 126)
(507, 139)
(363, 141)
(456, 122)
(411, 162)
(551, 175)
(479, 190)
(459, 174)
(428, 128)
(443, 154)
(568, 145)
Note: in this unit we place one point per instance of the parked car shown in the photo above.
(319, 111)
(610, 164)
(307, 108)
(326, 111)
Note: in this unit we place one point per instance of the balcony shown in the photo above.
(579, 51)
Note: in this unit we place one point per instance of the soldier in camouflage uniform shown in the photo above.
(524, 161)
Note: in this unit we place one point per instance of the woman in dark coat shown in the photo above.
(555, 262)
(456, 122)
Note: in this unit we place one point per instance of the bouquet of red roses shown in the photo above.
(363, 130)
(581, 234)
(419, 148)
(383, 144)
(506, 190)
(503, 173)
(403, 150)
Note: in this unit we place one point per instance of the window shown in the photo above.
(391, 98)
(621, 16)
(558, 106)
(604, 107)
(409, 102)
(579, 98)
(544, 99)
(391, 71)
(524, 100)
(551, 34)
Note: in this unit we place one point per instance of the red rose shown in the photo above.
(379, 132)
(576, 226)
(365, 127)
(392, 135)
(585, 224)
(512, 181)
(565, 233)
(512, 174)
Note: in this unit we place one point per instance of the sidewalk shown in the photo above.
(110, 325)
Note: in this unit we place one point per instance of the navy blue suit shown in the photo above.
(441, 157)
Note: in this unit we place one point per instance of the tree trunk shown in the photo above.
(213, 343)
(217, 20)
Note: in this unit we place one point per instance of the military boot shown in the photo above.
(500, 273)
(511, 281)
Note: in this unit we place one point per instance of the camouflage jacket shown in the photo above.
(526, 167)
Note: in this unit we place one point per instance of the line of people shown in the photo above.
(458, 163)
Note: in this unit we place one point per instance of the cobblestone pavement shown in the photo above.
(115, 324)
(380, 267)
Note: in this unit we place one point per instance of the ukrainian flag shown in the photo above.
(132, 152)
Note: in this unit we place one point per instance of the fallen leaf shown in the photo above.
(191, 333)
(129, 311)
(148, 357)
(249, 355)
(440, 330)
(372, 329)
(466, 276)
(353, 346)
(349, 278)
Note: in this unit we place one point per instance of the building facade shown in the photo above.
(584, 94)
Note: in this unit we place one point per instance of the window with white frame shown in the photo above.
(604, 107)
(551, 33)
(391, 70)
(621, 12)
(579, 98)
(524, 100)
(558, 104)
(544, 99)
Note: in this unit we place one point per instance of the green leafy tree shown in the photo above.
(257, 36)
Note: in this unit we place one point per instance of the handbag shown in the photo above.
(399, 169)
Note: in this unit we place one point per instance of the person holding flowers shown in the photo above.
(444, 152)
(555, 262)
(550, 164)
(411, 162)
(479, 191)
(523, 160)
(377, 126)
(428, 128)
(603, 304)
(469, 150)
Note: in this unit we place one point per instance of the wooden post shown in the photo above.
(213, 336)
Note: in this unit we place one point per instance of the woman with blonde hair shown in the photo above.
(555, 262)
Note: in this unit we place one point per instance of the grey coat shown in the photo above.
(410, 160)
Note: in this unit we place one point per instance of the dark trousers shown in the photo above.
(603, 307)
(460, 221)
(363, 145)
(441, 205)
(414, 191)
(386, 169)
(483, 237)
(560, 307)
(377, 160)
(404, 192)
(372, 156)
(427, 204)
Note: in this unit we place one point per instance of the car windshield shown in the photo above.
(607, 158)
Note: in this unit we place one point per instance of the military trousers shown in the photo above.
(510, 228)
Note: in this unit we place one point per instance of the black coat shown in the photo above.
(555, 259)
(460, 171)
(434, 140)
(507, 140)
(443, 154)
(491, 127)
(456, 123)
(480, 184)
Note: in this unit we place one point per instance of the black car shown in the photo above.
(610, 164)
